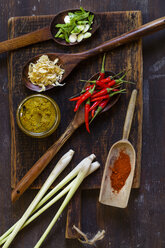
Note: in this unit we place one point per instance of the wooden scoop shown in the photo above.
(40, 165)
(69, 61)
(107, 195)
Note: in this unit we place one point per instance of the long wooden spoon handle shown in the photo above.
(132, 35)
(25, 40)
(40, 165)
(129, 115)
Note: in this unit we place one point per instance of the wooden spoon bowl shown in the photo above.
(59, 19)
(25, 70)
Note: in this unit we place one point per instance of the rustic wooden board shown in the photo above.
(105, 131)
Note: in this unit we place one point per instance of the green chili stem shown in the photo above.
(103, 64)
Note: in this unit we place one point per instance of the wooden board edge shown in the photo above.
(12, 122)
(137, 175)
(11, 19)
(73, 216)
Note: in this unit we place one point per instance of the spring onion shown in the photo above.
(87, 35)
(86, 28)
(60, 166)
(80, 37)
(73, 38)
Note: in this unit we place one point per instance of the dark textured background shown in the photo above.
(143, 225)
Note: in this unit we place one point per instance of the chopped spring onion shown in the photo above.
(60, 166)
(67, 19)
(86, 28)
(76, 23)
(87, 35)
(73, 38)
(80, 37)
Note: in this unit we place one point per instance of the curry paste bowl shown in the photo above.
(38, 116)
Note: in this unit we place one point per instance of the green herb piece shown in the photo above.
(79, 22)
(82, 22)
(82, 9)
(90, 19)
(58, 33)
(61, 36)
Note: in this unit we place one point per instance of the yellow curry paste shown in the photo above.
(37, 115)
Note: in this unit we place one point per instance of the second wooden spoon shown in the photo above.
(70, 61)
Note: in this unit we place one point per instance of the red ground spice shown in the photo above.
(120, 171)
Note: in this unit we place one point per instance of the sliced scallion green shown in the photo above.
(76, 23)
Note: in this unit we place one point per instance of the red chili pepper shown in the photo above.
(93, 112)
(98, 81)
(87, 107)
(75, 98)
(100, 108)
(102, 92)
(89, 87)
(110, 84)
(84, 97)
(94, 105)
(108, 81)
(107, 96)
(82, 91)
(100, 98)
(102, 73)
(105, 80)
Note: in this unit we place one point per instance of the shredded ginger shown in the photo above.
(45, 72)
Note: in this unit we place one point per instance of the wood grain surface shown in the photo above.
(141, 225)
(25, 151)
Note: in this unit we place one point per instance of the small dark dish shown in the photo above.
(59, 19)
(25, 70)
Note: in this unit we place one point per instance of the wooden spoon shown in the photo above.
(107, 195)
(40, 165)
(47, 33)
(70, 61)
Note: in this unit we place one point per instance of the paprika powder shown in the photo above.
(120, 171)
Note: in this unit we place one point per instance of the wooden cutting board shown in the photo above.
(105, 130)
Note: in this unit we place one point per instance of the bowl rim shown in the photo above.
(51, 129)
